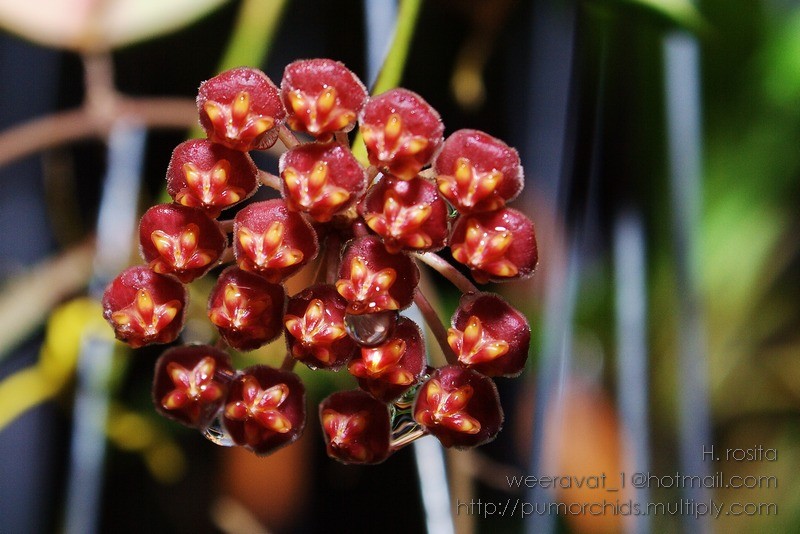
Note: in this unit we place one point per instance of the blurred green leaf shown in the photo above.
(256, 25)
(395, 62)
(680, 12)
(781, 62)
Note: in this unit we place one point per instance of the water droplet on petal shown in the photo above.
(370, 329)
(216, 433)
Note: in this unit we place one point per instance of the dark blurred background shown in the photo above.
(582, 90)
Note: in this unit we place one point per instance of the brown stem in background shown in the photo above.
(78, 124)
(100, 96)
(30, 295)
(159, 112)
(102, 106)
(45, 132)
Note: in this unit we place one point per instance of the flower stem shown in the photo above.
(320, 271)
(227, 256)
(287, 137)
(269, 179)
(288, 362)
(332, 259)
(448, 271)
(359, 228)
(435, 324)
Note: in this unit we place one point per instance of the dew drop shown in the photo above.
(370, 329)
(215, 432)
(405, 429)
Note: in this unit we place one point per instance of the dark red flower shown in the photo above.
(321, 179)
(145, 307)
(373, 280)
(407, 214)
(356, 427)
(191, 383)
(265, 409)
(490, 336)
(241, 108)
(459, 406)
(315, 329)
(391, 368)
(370, 227)
(246, 309)
(272, 241)
(496, 245)
(202, 174)
(181, 241)
(322, 96)
(402, 132)
(477, 172)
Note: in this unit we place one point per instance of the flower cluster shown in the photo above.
(364, 231)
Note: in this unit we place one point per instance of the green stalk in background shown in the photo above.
(253, 34)
(392, 69)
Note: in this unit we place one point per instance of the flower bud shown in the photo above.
(356, 427)
(496, 245)
(246, 309)
(181, 241)
(322, 96)
(265, 409)
(490, 336)
(145, 307)
(241, 108)
(459, 406)
(402, 132)
(191, 384)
